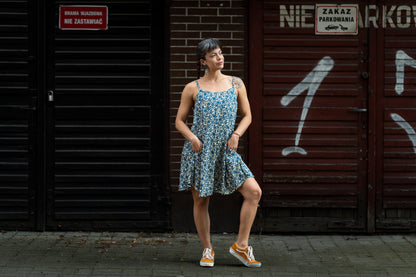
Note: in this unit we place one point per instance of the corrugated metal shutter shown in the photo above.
(105, 129)
(396, 190)
(313, 169)
(17, 140)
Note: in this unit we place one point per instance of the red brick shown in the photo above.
(192, 73)
(177, 27)
(237, 66)
(215, 3)
(176, 135)
(176, 161)
(178, 143)
(191, 58)
(218, 35)
(175, 97)
(174, 172)
(173, 113)
(184, 34)
(232, 11)
(183, 50)
(177, 11)
(181, 81)
(239, 3)
(193, 42)
(215, 19)
(190, 78)
(184, 19)
(178, 92)
(234, 43)
(175, 88)
(238, 19)
(233, 58)
(202, 27)
(231, 27)
(225, 48)
(185, 3)
(178, 42)
(228, 42)
(238, 50)
(203, 11)
(177, 73)
(177, 58)
(238, 35)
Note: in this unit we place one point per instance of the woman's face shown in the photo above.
(214, 59)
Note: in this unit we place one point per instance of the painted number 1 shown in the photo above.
(311, 82)
(403, 59)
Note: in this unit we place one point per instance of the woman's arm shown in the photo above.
(244, 107)
(245, 112)
(185, 107)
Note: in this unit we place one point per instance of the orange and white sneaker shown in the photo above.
(244, 255)
(207, 258)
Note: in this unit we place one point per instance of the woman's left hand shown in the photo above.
(233, 142)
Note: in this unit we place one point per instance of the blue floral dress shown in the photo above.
(216, 168)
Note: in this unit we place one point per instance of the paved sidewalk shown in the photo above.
(138, 254)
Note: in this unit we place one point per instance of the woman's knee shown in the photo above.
(252, 190)
(201, 202)
(256, 192)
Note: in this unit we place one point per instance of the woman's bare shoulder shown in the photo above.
(190, 88)
(238, 83)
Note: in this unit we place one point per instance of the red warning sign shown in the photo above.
(83, 17)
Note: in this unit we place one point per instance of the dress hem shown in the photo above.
(188, 188)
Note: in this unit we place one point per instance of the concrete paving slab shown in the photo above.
(70, 254)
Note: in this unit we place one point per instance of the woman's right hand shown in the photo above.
(196, 144)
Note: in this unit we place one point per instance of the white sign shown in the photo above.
(333, 19)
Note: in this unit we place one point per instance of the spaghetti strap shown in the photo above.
(196, 81)
(233, 81)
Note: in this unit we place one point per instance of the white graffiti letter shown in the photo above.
(288, 16)
(402, 59)
(407, 127)
(387, 16)
(311, 82)
(408, 11)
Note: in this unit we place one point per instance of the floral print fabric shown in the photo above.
(216, 168)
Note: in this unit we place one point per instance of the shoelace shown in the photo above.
(207, 254)
(250, 254)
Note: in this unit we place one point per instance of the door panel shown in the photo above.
(396, 181)
(17, 121)
(313, 129)
(103, 135)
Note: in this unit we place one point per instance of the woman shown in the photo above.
(210, 162)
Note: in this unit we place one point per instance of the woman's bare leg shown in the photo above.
(201, 218)
(251, 192)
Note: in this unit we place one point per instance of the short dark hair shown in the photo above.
(203, 48)
(207, 45)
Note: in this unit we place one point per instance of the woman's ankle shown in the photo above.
(241, 244)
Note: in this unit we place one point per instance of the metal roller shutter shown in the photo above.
(396, 178)
(309, 151)
(105, 124)
(17, 121)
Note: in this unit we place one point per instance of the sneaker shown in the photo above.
(207, 258)
(244, 255)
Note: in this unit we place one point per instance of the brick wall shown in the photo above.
(190, 22)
